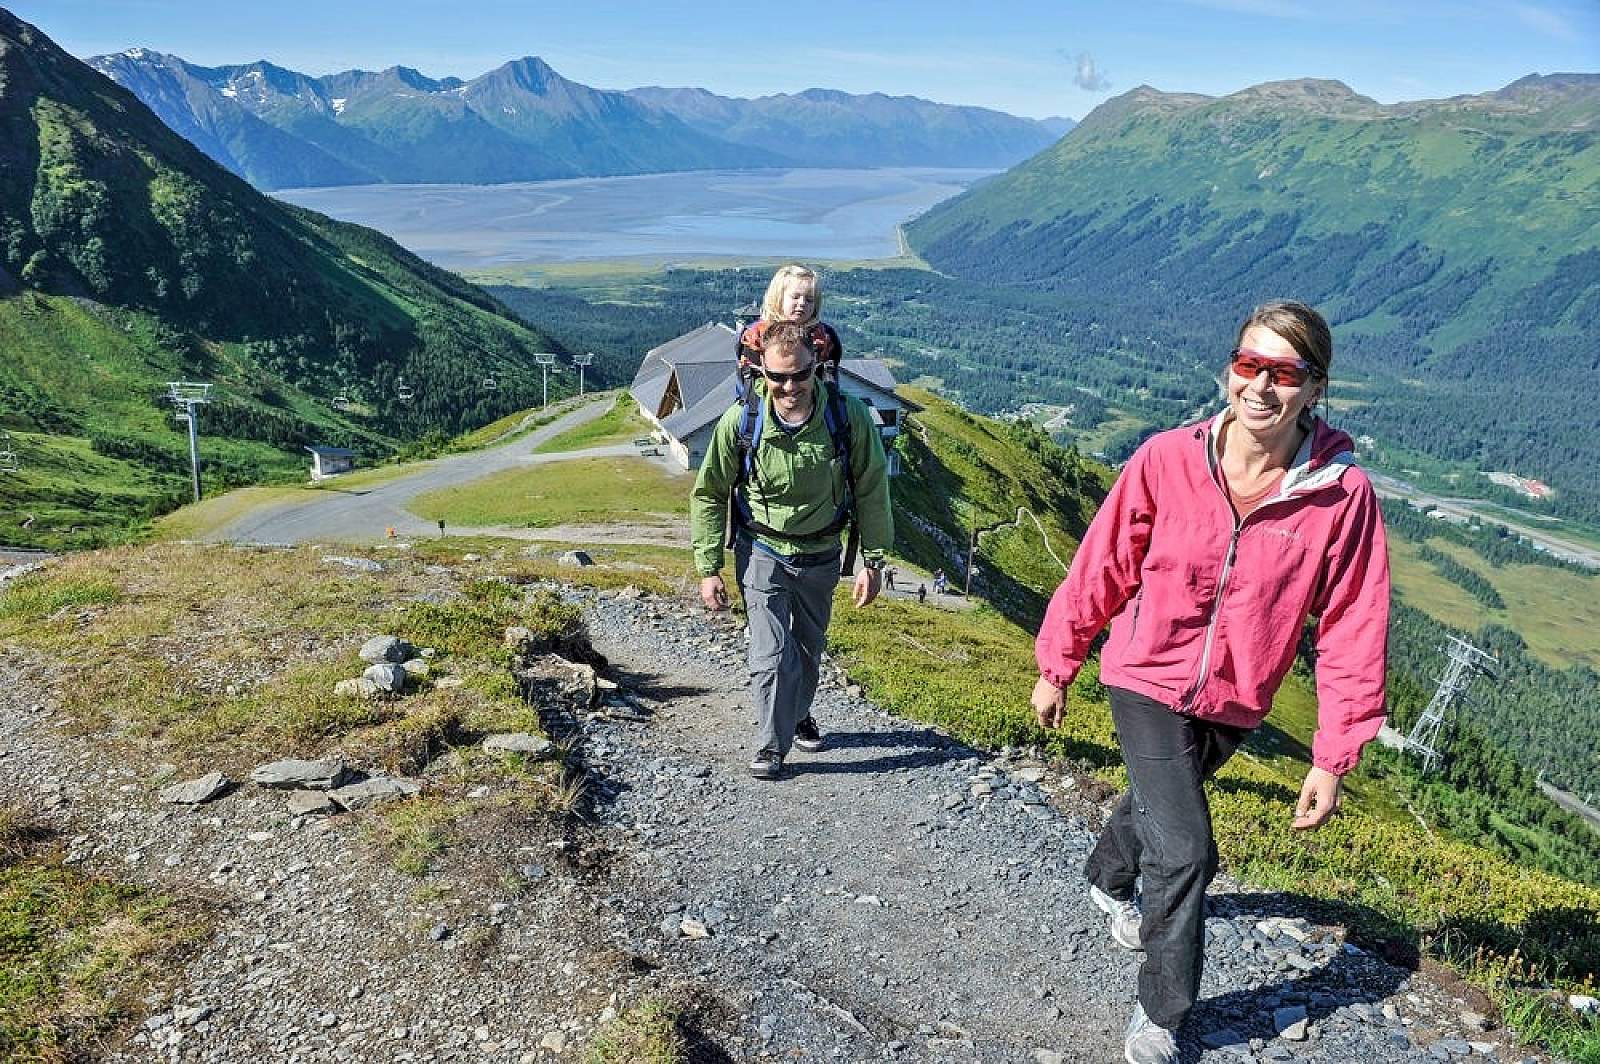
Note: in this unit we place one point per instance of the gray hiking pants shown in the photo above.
(788, 603)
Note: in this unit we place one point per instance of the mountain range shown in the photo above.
(1454, 244)
(129, 259)
(524, 122)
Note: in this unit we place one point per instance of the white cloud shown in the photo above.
(1546, 21)
(1086, 74)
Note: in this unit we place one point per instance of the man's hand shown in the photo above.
(713, 593)
(866, 589)
(1049, 703)
(1319, 797)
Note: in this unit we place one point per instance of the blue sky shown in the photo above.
(1031, 57)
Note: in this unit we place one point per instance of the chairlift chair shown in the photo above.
(489, 384)
(8, 461)
(404, 392)
(341, 402)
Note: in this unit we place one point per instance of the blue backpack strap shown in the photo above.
(746, 437)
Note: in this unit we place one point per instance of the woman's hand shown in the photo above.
(1319, 797)
(1049, 703)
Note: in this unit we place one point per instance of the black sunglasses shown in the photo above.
(789, 378)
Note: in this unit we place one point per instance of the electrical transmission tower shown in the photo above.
(1465, 663)
(188, 397)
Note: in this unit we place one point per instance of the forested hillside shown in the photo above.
(1447, 240)
(128, 259)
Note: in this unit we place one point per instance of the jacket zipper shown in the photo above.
(1222, 581)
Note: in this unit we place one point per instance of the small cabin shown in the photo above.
(684, 386)
(331, 461)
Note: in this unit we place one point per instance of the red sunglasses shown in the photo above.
(1283, 372)
(789, 378)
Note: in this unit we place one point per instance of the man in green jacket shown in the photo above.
(788, 569)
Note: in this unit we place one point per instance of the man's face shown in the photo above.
(790, 380)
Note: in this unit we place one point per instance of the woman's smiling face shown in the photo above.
(1265, 410)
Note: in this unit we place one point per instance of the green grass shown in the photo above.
(1557, 611)
(76, 949)
(587, 490)
(621, 423)
(646, 1034)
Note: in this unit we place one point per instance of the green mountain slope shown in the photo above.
(128, 258)
(1455, 244)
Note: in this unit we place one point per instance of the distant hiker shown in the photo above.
(441, 528)
(888, 576)
(789, 467)
(938, 582)
(1216, 543)
(922, 593)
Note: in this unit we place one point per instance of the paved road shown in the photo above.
(363, 515)
(1566, 549)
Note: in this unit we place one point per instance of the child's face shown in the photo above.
(798, 301)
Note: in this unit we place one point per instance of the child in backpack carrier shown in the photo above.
(794, 294)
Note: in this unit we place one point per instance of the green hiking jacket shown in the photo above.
(795, 486)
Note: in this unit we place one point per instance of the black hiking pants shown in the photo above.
(1161, 831)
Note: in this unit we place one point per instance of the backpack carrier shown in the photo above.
(752, 420)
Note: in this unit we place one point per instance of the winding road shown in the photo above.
(366, 514)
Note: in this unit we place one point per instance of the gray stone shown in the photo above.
(310, 803)
(439, 932)
(309, 775)
(1584, 1004)
(519, 743)
(1048, 1056)
(375, 791)
(416, 668)
(195, 792)
(1290, 1022)
(1225, 1036)
(386, 648)
(360, 565)
(1474, 1021)
(575, 559)
(360, 687)
(389, 678)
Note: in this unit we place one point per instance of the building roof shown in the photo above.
(702, 362)
(332, 452)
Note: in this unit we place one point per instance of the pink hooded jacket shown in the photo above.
(1206, 613)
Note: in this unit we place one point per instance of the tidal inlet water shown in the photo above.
(806, 215)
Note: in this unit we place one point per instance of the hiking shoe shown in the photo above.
(1145, 1043)
(766, 765)
(807, 736)
(1125, 916)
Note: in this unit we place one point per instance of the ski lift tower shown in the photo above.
(545, 359)
(1465, 663)
(188, 397)
(581, 361)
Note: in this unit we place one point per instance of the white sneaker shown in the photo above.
(1146, 1043)
(1125, 916)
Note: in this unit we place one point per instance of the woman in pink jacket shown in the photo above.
(1216, 545)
